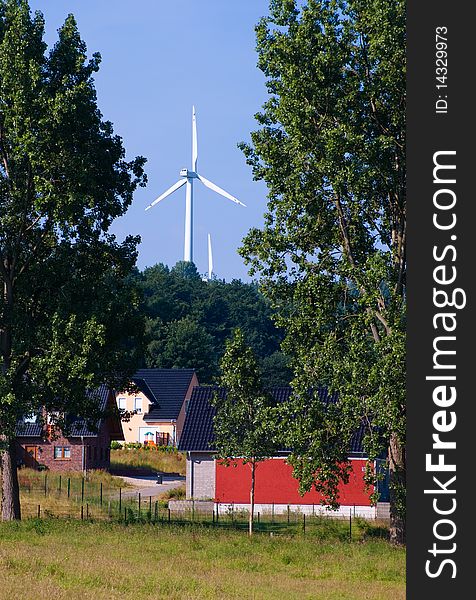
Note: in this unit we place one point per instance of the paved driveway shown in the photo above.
(146, 485)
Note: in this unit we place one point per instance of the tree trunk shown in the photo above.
(397, 467)
(252, 498)
(10, 487)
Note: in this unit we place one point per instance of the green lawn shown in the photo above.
(71, 560)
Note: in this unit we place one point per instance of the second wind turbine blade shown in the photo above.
(219, 190)
(171, 190)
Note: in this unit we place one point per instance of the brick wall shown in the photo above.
(200, 481)
(96, 453)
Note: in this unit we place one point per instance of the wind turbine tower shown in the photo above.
(186, 178)
(210, 257)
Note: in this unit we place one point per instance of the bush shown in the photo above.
(116, 445)
(177, 493)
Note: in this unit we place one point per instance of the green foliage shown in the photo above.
(188, 321)
(331, 256)
(69, 315)
(177, 493)
(243, 421)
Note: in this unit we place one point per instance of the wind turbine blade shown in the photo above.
(171, 190)
(194, 141)
(219, 190)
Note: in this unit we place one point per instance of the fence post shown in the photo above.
(350, 525)
(139, 506)
(82, 512)
(304, 523)
(213, 516)
(69, 486)
(169, 514)
(125, 515)
(150, 507)
(155, 511)
(39, 510)
(101, 494)
(288, 514)
(120, 500)
(82, 490)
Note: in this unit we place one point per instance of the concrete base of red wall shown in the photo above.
(367, 512)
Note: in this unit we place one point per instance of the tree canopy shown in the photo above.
(331, 256)
(69, 314)
(188, 321)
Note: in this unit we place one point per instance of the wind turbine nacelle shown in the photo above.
(187, 173)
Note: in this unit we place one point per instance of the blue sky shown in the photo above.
(158, 58)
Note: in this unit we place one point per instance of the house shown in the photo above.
(81, 449)
(158, 407)
(275, 489)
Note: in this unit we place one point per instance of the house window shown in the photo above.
(62, 452)
(121, 403)
(138, 405)
(30, 418)
(162, 439)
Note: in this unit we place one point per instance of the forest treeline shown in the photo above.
(187, 321)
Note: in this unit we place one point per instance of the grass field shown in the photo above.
(71, 560)
(151, 459)
(61, 495)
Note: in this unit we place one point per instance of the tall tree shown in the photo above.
(243, 421)
(175, 298)
(68, 313)
(332, 253)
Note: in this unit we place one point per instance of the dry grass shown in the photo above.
(56, 500)
(152, 459)
(70, 560)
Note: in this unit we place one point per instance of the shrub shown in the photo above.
(177, 493)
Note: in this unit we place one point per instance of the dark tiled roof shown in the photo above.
(79, 427)
(168, 386)
(28, 429)
(197, 433)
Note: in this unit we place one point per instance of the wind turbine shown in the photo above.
(209, 276)
(187, 178)
(210, 257)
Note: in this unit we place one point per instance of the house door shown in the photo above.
(31, 456)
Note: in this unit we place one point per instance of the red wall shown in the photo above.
(275, 484)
